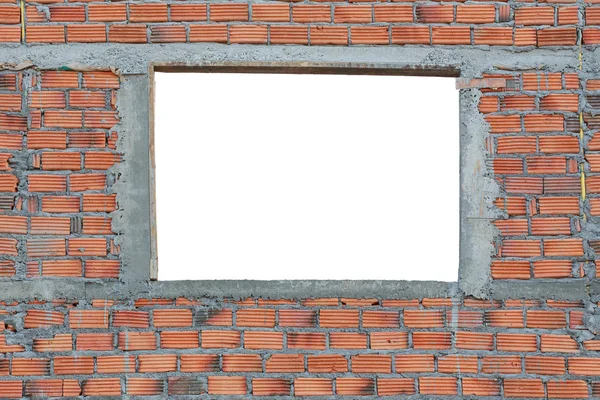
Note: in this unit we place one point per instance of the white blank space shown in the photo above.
(306, 177)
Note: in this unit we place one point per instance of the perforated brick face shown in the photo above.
(80, 315)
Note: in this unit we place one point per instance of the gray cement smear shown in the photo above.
(131, 220)
(478, 192)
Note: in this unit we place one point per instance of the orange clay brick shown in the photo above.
(567, 389)
(67, 13)
(411, 35)
(493, 36)
(352, 14)
(313, 386)
(431, 340)
(271, 387)
(157, 363)
(102, 387)
(86, 33)
(111, 12)
(256, 317)
(505, 318)
(371, 363)
(480, 387)
(563, 247)
(129, 341)
(258, 340)
(199, 362)
(133, 33)
(449, 35)
(11, 389)
(43, 319)
(545, 365)
(271, 12)
(144, 386)
(79, 319)
(172, 318)
(285, 363)
(395, 386)
(451, 364)
(153, 12)
(347, 340)
(557, 37)
(423, 319)
(87, 99)
(94, 341)
(355, 386)
(327, 363)
(543, 15)
(510, 269)
(474, 341)
(82, 182)
(392, 13)
(73, 365)
(208, 33)
(227, 385)
(214, 339)
(30, 366)
(380, 319)
(306, 340)
(222, 12)
(475, 14)
(338, 318)
(407, 363)
(435, 13)
(524, 387)
(438, 386)
(501, 364)
(558, 343)
(370, 34)
(297, 318)
(328, 35)
(188, 12)
(242, 363)
(45, 34)
(131, 319)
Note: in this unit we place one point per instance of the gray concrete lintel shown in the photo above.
(54, 289)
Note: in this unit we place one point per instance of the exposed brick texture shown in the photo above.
(57, 147)
(270, 348)
(342, 23)
(59, 151)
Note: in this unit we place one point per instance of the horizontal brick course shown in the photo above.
(38, 365)
(438, 24)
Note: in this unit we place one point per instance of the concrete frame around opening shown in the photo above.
(136, 66)
(476, 238)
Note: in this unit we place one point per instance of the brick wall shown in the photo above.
(320, 347)
(499, 23)
(60, 153)
(542, 141)
(57, 147)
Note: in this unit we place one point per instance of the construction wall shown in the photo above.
(81, 316)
